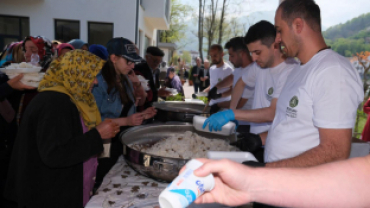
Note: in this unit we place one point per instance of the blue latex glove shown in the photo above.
(218, 120)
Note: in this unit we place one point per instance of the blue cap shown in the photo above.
(123, 47)
(77, 43)
(99, 50)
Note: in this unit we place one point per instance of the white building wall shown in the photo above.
(42, 13)
(147, 30)
(166, 55)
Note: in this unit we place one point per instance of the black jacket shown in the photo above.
(8, 130)
(204, 84)
(195, 70)
(144, 70)
(46, 167)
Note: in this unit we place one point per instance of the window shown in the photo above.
(100, 33)
(13, 29)
(66, 30)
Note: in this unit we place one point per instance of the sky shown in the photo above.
(332, 11)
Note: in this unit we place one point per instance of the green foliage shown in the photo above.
(174, 59)
(203, 98)
(177, 25)
(348, 47)
(351, 37)
(348, 29)
(186, 56)
(360, 122)
(178, 97)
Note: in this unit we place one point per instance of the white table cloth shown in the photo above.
(124, 188)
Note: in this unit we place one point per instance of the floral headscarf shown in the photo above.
(73, 74)
(44, 49)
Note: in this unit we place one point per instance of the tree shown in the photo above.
(200, 27)
(177, 25)
(210, 23)
(222, 19)
(186, 56)
(363, 59)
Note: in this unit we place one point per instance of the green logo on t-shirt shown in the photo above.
(219, 79)
(293, 102)
(270, 91)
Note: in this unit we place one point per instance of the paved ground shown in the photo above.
(188, 90)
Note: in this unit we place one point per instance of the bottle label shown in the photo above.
(187, 196)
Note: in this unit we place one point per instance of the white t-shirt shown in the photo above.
(268, 85)
(323, 93)
(248, 91)
(215, 76)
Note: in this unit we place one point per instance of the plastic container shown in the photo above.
(238, 157)
(186, 187)
(226, 130)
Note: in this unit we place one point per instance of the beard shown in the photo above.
(216, 62)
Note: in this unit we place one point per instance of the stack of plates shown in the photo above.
(173, 91)
(144, 82)
(32, 75)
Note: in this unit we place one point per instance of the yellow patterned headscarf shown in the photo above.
(73, 74)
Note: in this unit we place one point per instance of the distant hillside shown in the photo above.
(351, 37)
(348, 29)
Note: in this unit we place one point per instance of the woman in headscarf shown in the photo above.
(12, 54)
(54, 157)
(173, 81)
(64, 48)
(114, 96)
(42, 47)
(79, 44)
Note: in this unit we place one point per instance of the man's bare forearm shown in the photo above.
(207, 89)
(263, 136)
(335, 144)
(315, 156)
(227, 93)
(260, 115)
(224, 104)
(237, 94)
(338, 184)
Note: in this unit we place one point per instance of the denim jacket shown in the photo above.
(110, 105)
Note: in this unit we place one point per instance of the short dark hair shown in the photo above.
(308, 10)
(216, 47)
(263, 31)
(236, 43)
(154, 51)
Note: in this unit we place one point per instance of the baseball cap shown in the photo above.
(99, 50)
(123, 47)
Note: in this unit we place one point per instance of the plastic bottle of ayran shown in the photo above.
(186, 187)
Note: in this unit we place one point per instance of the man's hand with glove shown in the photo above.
(218, 120)
(212, 94)
(248, 142)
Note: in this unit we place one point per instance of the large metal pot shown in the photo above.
(163, 169)
(179, 111)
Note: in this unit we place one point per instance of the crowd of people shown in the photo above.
(294, 101)
(54, 137)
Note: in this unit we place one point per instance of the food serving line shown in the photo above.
(137, 179)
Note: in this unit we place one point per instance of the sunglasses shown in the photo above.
(127, 61)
